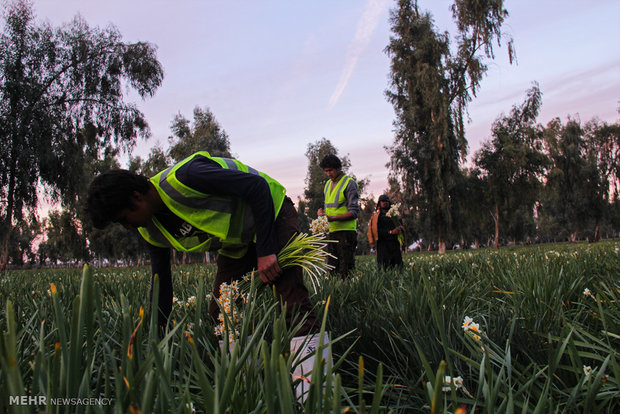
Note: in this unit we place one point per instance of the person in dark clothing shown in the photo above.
(383, 235)
(206, 203)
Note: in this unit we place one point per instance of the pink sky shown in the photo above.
(279, 75)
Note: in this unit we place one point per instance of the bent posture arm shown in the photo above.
(209, 177)
(160, 266)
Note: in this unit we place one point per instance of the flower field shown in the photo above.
(524, 329)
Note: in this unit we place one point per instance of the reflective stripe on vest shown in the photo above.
(336, 204)
(225, 220)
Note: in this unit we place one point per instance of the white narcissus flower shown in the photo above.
(448, 380)
(394, 210)
(471, 327)
(588, 371)
(468, 323)
(319, 225)
(229, 293)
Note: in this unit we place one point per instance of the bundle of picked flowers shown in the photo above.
(394, 214)
(319, 225)
(307, 252)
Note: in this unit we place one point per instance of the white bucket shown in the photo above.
(305, 349)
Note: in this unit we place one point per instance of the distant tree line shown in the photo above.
(63, 120)
(528, 182)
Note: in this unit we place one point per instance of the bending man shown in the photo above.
(206, 203)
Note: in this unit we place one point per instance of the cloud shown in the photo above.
(365, 27)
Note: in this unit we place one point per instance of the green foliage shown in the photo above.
(115, 242)
(575, 190)
(471, 209)
(205, 134)
(62, 100)
(87, 339)
(430, 87)
(21, 241)
(512, 162)
(157, 161)
(526, 300)
(603, 141)
(63, 241)
(542, 341)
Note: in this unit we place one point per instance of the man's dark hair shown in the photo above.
(111, 192)
(331, 161)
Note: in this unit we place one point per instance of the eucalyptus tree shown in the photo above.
(156, 161)
(55, 85)
(430, 88)
(575, 191)
(514, 163)
(63, 240)
(603, 142)
(471, 201)
(203, 134)
(603, 145)
(23, 240)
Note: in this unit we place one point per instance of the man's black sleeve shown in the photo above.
(352, 197)
(209, 177)
(160, 266)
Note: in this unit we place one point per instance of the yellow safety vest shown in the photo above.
(225, 220)
(336, 204)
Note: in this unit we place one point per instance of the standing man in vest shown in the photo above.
(341, 210)
(206, 203)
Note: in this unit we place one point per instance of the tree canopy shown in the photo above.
(430, 87)
(61, 97)
(576, 191)
(204, 134)
(512, 162)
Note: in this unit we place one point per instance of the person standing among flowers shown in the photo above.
(383, 234)
(206, 203)
(341, 209)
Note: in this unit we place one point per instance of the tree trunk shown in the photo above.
(442, 246)
(4, 252)
(442, 242)
(496, 218)
(597, 233)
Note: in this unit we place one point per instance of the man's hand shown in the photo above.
(268, 268)
(320, 212)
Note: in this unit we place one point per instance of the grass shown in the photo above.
(540, 330)
(395, 335)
